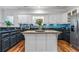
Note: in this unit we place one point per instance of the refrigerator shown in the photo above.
(74, 32)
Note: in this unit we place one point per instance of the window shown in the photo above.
(38, 17)
(10, 18)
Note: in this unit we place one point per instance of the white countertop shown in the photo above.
(42, 32)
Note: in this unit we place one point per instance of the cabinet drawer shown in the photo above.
(5, 35)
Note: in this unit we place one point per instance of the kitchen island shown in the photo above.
(44, 41)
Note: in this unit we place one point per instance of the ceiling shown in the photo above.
(39, 9)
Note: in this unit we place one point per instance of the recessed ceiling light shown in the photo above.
(39, 11)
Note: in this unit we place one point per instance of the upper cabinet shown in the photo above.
(69, 16)
(72, 13)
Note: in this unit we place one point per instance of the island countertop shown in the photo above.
(41, 32)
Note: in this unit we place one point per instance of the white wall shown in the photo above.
(59, 19)
(27, 18)
(1, 18)
(54, 19)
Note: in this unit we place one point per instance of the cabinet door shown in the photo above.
(0, 45)
(17, 37)
(41, 42)
(5, 43)
(0, 42)
(51, 42)
(30, 42)
(13, 40)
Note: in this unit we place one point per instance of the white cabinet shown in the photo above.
(41, 42)
(30, 42)
(51, 42)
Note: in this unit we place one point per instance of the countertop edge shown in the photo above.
(44, 32)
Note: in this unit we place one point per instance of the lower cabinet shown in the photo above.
(13, 40)
(9, 37)
(30, 43)
(0, 44)
(5, 43)
(8, 41)
(51, 42)
(40, 42)
(64, 36)
(19, 37)
(35, 42)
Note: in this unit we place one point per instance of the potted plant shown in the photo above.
(8, 23)
(39, 22)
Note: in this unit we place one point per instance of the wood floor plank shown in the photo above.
(21, 50)
(64, 46)
(17, 47)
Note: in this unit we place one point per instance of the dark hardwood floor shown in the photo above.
(64, 46)
(19, 47)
